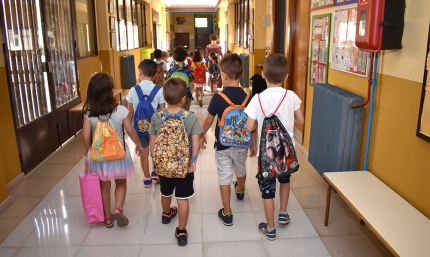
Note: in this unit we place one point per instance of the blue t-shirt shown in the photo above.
(218, 105)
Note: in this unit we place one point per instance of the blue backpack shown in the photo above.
(144, 111)
(182, 74)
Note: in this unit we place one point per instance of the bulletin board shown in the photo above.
(345, 55)
(320, 4)
(319, 48)
(342, 2)
(423, 128)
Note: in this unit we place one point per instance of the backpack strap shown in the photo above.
(154, 92)
(139, 93)
(226, 98)
(261, 107)
(245, 101)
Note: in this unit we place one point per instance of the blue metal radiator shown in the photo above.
(128, 71)
(244, 81)
(335, 129)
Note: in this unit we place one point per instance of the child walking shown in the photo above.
(100, 104)
(199, 73)
(285, 104)
(228, 159)
(145, 72)
(175, 94)
(214, 72)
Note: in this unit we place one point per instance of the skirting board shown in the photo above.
(6, 204)
(15, 182)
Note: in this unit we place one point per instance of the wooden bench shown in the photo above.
(78, 107)
(401, 227)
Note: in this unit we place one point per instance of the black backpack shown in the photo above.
(277, 155)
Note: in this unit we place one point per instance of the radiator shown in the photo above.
(335, 130)
(128, 71)
(244, 81)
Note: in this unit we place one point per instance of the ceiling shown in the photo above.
(191, 5)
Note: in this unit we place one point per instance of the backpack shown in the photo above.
(214, 68)
(200, 74)
(144, 110)
(277, 155)
(182, 74)
(158, 79)
(232, 125)
(106, 144)
(171, 155)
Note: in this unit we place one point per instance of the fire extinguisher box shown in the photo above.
(379, 24)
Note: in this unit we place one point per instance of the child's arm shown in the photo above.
(207, 123)
(299, 119)
(162, 106)
(130, 110)
(86, 135)
(151, 144)
(253, 148)
(133, 134)
(195, 139)
(251, 124)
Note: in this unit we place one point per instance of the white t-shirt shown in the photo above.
(146, 86)
(164, 64)
(270, 99)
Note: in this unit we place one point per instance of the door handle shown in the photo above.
(305, 63)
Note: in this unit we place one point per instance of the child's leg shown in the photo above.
(239, 158)
(105, 190)
(145, 162)
(224, 163)
(165, 203)
(183, 211)
(284, 193)
(268, 190)
(269, 210)
(120, 191)
(225, 197)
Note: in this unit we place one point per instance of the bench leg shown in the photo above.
(362, 222)
(327, 205)
(74, 124)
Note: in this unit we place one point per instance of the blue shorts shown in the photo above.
(144, 140)
(268, 187)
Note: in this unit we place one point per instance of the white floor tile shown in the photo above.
(129, 235)
(190, 250)
(47, 252)
(296, 247)
(234, 249)
(7, 252)
(20, 234)
(110, 251)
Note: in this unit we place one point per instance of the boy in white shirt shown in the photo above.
(275, 71)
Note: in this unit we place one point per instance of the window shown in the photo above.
(201, 22)
(236, 24)
(87, 44)
(241, 23)
(132, 26)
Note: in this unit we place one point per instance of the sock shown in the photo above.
(283, 212)
(168, 214)
(269, 229)
(178, 231)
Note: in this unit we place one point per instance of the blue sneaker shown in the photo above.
(154, 177)
(283, 219)
(147, 182)
(239, 195)
(262, 227)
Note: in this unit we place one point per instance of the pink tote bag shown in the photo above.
(91, 197)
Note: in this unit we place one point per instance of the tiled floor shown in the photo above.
(47, 218)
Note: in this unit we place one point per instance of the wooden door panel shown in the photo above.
(182, 39)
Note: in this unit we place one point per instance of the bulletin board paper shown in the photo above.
(345, 55)
(319, 48)
(423, 128)
(320, 4)
(342, 2)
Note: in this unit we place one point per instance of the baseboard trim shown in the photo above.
(15, 182)
(6, 204)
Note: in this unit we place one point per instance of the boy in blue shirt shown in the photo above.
(145, 72)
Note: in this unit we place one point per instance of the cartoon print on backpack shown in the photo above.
(144, 110)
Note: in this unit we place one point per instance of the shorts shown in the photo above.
(183, 186)
(229, 160)
(144, 140)
(268, 187)
(199, 85)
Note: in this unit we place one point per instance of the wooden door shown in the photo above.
(182, 39)
(299, 13)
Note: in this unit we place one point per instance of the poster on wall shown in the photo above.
(319, 48)
(345, 55)
(342, 2)
(320, 4)
(423, 128)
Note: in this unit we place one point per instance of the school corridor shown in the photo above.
(48, 219)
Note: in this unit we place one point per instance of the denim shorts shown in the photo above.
(144, 140)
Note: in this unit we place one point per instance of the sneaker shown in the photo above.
(283, 219)
(154, 176)
(239, 195)
(182, 237)
(166, 218)
(147, 182)
(226, 219)
(262, 227)
(200, 103)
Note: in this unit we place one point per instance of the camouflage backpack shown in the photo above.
(158, 79)
(171, 155)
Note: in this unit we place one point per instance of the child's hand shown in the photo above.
(139, 151)
(253, 151)
(203, 142)
(192, 167)
(86, 153)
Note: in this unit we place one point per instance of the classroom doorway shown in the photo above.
(204, 27)
(40, 57)
(182, 39)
